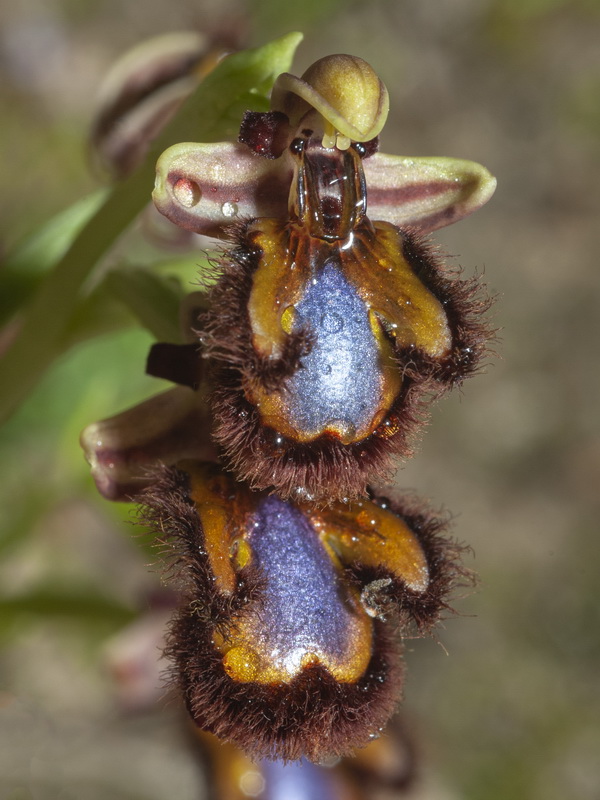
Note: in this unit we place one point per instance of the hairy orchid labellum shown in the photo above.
(327, 327)
(281, 645)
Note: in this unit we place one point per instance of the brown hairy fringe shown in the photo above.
(324, 470)
(168, 511)
(314, 715)
(417, 613)
(465, 302)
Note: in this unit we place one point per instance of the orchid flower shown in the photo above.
(211, 188)
(329, 325)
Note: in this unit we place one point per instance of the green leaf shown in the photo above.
(23, 269)
(97, 314)
(238, 81)
(123, 300)
(241, 82)
(75, 604)
(153, 299)
(19, 520)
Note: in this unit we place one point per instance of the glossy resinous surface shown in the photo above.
(339, 382)
(305, 615)
(303, 609)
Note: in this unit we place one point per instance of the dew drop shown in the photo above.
(187, 192)
(332, 322)
(330, 762)
(389, 427)
(229, 209)
(276, 440)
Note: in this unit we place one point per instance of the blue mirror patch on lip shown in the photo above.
(304, 608)
(339, 381)
(298, 780)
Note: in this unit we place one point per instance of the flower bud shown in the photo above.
(140, 94)
(123, 449)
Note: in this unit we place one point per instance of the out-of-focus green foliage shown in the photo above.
(23, 269)
(212, 113)
(57, 293)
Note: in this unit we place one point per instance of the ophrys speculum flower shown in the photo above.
(287, 639)
(330, 323)
(332, 319)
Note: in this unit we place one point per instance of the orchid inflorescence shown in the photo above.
(328, 327)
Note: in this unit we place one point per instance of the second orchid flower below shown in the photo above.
(286, 642)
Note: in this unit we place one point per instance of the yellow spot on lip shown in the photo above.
(241, 663)
(288, 318)
(241, 553)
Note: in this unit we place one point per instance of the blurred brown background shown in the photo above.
(512, 710)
